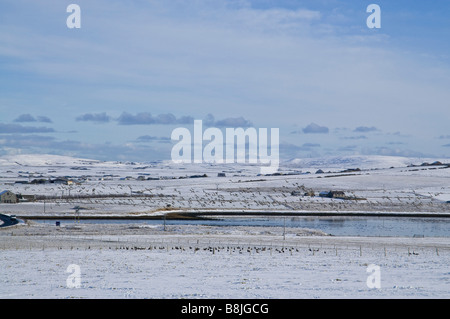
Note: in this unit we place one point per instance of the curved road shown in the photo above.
(8, 221)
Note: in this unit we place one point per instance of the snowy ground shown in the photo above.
(144, 261)
(209, 262)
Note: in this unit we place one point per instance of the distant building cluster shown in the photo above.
(59, 181)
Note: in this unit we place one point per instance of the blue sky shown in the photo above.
(116, 88)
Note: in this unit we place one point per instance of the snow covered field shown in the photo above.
(206, 262)
(145, 261)
(371, 184)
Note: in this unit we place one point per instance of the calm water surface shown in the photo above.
(338, 226)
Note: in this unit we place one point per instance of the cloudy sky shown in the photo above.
(117, 87)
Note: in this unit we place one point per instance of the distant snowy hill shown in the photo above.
(357, 161)
(324, 163)
(44, 160)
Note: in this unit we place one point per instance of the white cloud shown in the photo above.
(94, 117)
(314, 128)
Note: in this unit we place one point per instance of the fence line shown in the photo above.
(239, 246)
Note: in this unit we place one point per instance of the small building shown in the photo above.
(127, 178)
(338, 194)
(40, 181)
(332, 194)
(325, 194)
(8, 197)
(28, 198)
(198, 176)
(59, 181)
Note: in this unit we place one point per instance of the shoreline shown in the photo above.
(203, 215)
